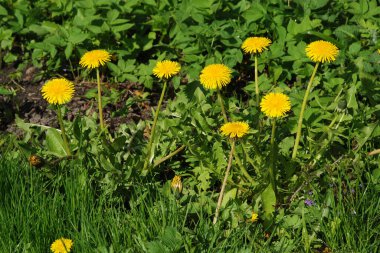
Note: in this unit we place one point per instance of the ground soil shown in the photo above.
(29, 105)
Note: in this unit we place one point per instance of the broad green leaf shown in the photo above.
(54, 142)
(351, 98)
(269, 201)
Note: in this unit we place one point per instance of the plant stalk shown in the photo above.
(272, 174)
(257, 84)
(220, 199)
(163, 159)
(149, 147)
(63, 132)
(100, 101)
(300, 119)
(220, 99)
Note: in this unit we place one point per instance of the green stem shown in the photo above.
(220, 199)
(300, 119)
(273, 157)
(257, 90)
(100, 101)
(257, 84)
(163, 159)
(63, 132)
(149, 147)
(220, 99)
(242, 168)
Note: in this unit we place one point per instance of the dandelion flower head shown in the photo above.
(95, 58)
(275, 105)
(322, 51)
(254, 45)
(234, 129)
(166, 69)
(58, 91)
(215, 76)
(254, 217)
(61, 245)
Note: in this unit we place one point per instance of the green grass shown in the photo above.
(35, 210)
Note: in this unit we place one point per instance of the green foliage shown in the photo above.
(340, 127)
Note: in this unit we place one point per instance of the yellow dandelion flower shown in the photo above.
(275, 105)
(322, 51)
(95, 58)
(254, 217)
(254, 45)
(61, 245)
(378, 50)
(166, 69)
(234, 129)
(176, 184)
(58, 91)
(215, 76)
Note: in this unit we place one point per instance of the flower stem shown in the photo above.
(220, 199)
(300, 119)
(273, 157)
(220, 99)
(163, 159)
(257, 83)
(63, 132)
(238, 161)
(149, 147)
(100, 101)
(257, 92)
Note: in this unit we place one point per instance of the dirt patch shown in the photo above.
(29, 105)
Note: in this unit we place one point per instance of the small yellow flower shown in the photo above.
(234, 129)
(166, 69)
(215, 76)
(322, 51)
(378, 50)
(95, 58)
(58, 91)
(61, 245)
(176, 183)
(254, 217)
(254, 45)
(275, 105)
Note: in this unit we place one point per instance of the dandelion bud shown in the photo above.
(176, 184)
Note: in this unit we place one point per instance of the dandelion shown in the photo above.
(378, 50)
(255, 217)
(162, 70)
(235, 129)
(95, 58)
(166, 69)
(322, 51)
(61, 245)
(318, 51)
(254, 45)
(215, 76)
(58, 91)
(275, 105)
(176, 183)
